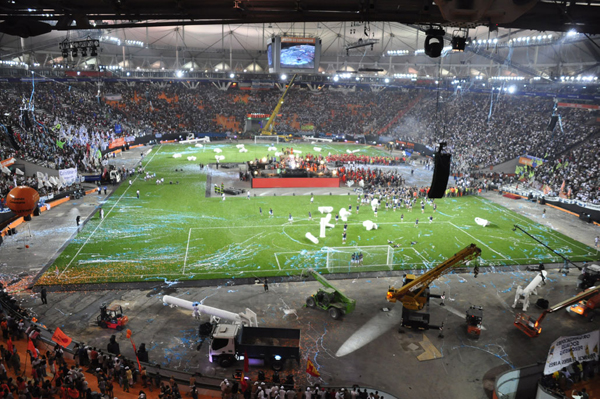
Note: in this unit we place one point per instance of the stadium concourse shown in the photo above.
(362, 349)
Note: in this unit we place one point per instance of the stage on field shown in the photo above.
(281, 182)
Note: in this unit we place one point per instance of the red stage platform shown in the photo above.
(279, 182)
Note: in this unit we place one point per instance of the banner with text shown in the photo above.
(567, 350)
(299, 40)
(68, 176)
(531, 161)
(577, 105)
(120, 142)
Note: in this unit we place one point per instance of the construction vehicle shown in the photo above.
(588, 278)
(586, 307)
(474, 319)
(329, 298)
(267, 130)
(414, 293)
(273, 346)
(231, 342)
(112, 317)
(531, 326)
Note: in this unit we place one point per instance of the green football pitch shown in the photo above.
(173, 232)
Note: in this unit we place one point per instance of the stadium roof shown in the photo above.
(231, 35)
(31, 17)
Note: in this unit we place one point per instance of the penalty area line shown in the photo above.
(476, 239)
(186, 251)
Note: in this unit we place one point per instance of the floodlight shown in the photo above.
(434, 42)
(459, 40)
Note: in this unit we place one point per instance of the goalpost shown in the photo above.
(373, 256)
(274, 139)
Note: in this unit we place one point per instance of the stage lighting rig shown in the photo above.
(362, 43)
(459, 40)
(434, 42)
(79, 46)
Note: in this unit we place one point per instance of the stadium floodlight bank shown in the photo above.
(262, 139)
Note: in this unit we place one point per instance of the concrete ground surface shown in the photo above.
(363, 348)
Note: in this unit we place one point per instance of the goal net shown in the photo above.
(339, 259)
(274, 139)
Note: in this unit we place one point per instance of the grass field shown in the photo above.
(174, 232)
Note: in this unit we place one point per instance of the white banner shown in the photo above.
(567, 350)
(68, 176)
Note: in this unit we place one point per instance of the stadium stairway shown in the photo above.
(589, 137)
(11, 138)
(400, 114)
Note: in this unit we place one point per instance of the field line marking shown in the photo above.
(108, 213)
(418, 253)
(533, 224)
(277, 259)
(287, 224)
(186, 251)
(476, 239)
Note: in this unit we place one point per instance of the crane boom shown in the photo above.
(321, 279)
(532, 327)
(268, 129)
(411, 294)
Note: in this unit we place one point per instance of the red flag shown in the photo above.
(61, 338)
(9, 344)
(31, 348)
(311, 369)
(243, 382)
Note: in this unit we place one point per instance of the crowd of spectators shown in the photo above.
(575, 174)
(264, 390)
(65, 124)
(561, 382)
(483, 130)
(357, 159)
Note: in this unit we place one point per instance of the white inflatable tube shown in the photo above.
(246, 319)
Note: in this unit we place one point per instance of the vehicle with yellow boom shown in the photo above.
(414, 293)
(268, 129)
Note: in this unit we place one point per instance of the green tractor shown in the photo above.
(329, 298)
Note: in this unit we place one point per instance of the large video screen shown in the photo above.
(297, 53)
(270, 54)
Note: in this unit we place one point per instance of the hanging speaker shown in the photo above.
(441, 173)
(552, 123)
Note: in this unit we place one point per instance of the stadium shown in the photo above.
(307, 200)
